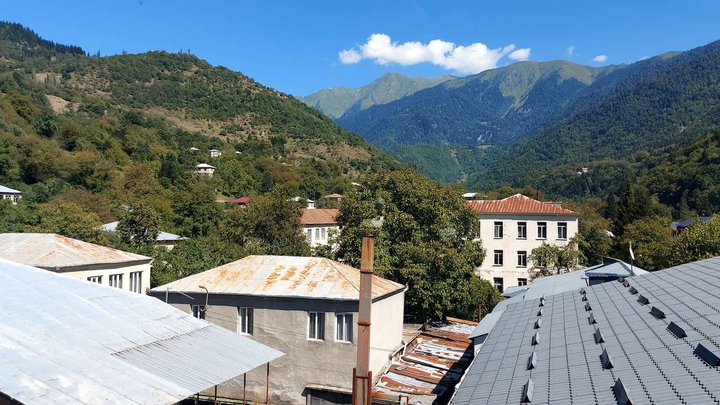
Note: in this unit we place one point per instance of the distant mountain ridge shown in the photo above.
(336, 102)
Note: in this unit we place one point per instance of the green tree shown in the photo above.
(197, 212)
(651, 240)
(138, 225)
(548, 259)
(592, 238)
(69, 219)
(428, 241)
(700, 241)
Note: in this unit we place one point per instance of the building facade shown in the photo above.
(319, 225)
(9, 194)
(306, 307)
(205, 169)
(78, 259)
(511, 228)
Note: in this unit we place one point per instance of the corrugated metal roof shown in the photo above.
(55, 252)
(204, 166)
(319, 216)
(612, 268)
(64, 340)
(653, 339)
(161, 236)
(8, 190)
(283, 276)
(518, 204)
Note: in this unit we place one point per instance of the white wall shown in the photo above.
(386, 330)
(510, 244)
(105, 273)
(319, 241)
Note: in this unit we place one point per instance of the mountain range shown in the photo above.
(512, 124)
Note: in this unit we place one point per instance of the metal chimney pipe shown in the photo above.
(362, 376)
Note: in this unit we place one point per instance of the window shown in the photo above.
(116, 280)
(522, 282)
(562, 230)
(95, 279)
(198, 311)
(309, 235)
(498, 230)
(316, 327)
(136, 282)
(542, 230)
(498, 258)
(245, 321)
(323, 233)
(522, 258)
(522, 230)
(498, 283)
(317, 233)
(344, 328)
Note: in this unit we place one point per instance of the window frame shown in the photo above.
(319, 326)
(522, 263)
(498, 225)
(116, 280)
(524, 228)
(95, 279)
(542, 225)
(346, 328)
(562, 225)
(136, 281)
(245, 321)
(522, 283)
(308, 235)
(499, 285)
(501, 254)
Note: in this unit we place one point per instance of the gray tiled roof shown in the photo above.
(653, 365)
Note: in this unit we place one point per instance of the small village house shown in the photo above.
(242, 201)
(319, 224)
(214, 153)
(511, 228)
(205, 169)
(67, 341)
(334, 198)
(9, 194)
(78, 259)
(306, 307)
(162, 239)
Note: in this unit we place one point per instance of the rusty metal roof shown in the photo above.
(283, 276)
(518, 204)
(68, 341)
(319, 216)
(56, 252)
(429, 367)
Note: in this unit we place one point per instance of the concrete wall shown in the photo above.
(330, 230)
(106, 272)
(282, 323)
(510, 244)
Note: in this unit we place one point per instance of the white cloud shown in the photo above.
(349, 56)
(600, 58)
(520, 54)
(570, 50)
(473, 58)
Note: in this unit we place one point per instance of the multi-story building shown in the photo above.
(78, 259)
(511, 228)
(319, 225)
(307, 307)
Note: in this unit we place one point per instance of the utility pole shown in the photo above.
(362, 376)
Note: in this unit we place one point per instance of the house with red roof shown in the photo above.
(511, 228)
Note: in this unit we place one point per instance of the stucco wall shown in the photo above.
(282, 323)
(510, 244)
(330, 230)
(106, 272)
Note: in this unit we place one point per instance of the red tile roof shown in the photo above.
(518, 204)
(241, 200)
(319, 216)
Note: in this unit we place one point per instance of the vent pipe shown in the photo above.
(362, 376)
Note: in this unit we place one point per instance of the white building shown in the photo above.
(162, 239)
(511, 228)
(205, 169)
(214, 153)
(9, 194)
(78, 259)
(319, 224)
(307, 307)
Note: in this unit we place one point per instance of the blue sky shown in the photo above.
(294, 46)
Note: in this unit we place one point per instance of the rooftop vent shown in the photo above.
(532, 361)
(536, 339)
(676, 330)
(626, 284)
(538, 323)
(621, 394)
(587, 306)
(542, 301)
(540, 312)
(706, 355)
(528, 391)
(633, 291)
(606, 360)
(591, 319)
(582, 291)
(643, 300)
(621, 279)
(657, 313)
(584, 298)
(599, 338)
